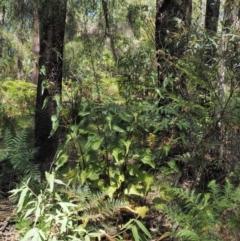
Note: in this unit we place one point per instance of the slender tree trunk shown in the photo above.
(35, 47)
(52, 16)
(108, 30)
(2, 16)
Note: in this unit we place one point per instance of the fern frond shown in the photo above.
(188, 235)
(92, 206)
(20, 153)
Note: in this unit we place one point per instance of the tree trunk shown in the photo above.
(36, 47)
(2, 16)
(171, 15)
(52, 16)
(108, 33)
(229, 60)
(212, 15)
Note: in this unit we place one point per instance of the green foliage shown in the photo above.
(20, 154)
(59, 212)
(105, 147)
(17, 98)
(139, 231)
(204, 216)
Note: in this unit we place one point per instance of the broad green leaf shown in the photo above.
(118, 129)
(134, 189)
(133, 169)
(87, 238)
(57, 98)
(110, 191)
(97, 143)
(147, 159)
(118, 155)
(61, 160)
(50, 180)
(127, 144)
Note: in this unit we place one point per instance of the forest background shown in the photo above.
(120, 119)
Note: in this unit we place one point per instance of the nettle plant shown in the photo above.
(107, 148)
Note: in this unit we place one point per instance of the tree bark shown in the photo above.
(36, 46)
(212, 15)
(2, 16)
(170, 16)
(52, 16)
(108, 33)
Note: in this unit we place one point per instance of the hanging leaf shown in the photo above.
(118, 129)
(50, 180)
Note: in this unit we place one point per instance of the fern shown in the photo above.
(92, 207)
(203, 216)
(18, 151)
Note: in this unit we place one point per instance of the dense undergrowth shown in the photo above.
(138, 161)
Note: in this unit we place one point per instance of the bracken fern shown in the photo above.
(209, 216)
(18, 151)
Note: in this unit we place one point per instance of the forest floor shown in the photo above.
(7, 230)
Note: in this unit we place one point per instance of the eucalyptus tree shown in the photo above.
(171, 16)
(212, 15)
(2, 16)
(52, 17)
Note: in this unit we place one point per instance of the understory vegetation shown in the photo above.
(149, 143)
